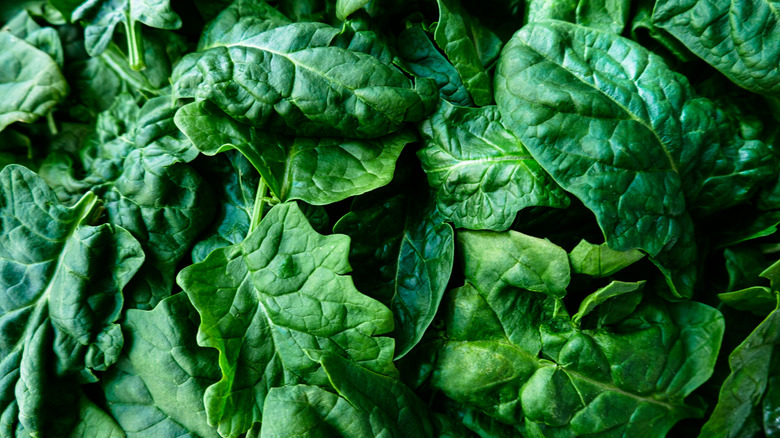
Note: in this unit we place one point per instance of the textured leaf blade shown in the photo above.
(481, 173)
(60, 299)
(266, 300)
(31, 83)
(740, 39)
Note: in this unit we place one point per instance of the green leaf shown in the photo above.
(516, 355)
(744, 388)
(60, 300)
(403, 253)
(31, 82)
(303, 79)
(157, 387)
(93, 422)
(136, 161)
(316, 170)
(740, 39)
(346, 7)
(757, 299)
(470, 47)
(611, 302)
(416, 48)
(266, 300)
(45, 39)
(600, 261)
(515, 259)
(607, 15)
(481, 173)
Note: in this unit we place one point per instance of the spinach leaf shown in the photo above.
(266, 301)
(482, 173)
(60, 301)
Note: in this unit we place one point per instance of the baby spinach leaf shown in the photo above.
(266, 300)
(402, 252)
(45, 39)
(481, 173)
(273, 72)
(31, 82)
(738, 39)
(514, 353)
(470, 46)
(346, 7)
(316, 170)
(60, 300)
(158, 385)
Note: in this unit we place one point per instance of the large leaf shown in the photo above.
(267, 300)
(31, 83)
(60, 299)
(402, 252)
(481, 173)
(470, 46)
(136, 161)
(316, 170)
(157, 387)
(740, 39)
(516, 355)
(303, 79)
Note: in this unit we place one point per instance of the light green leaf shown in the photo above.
(481, 173)
(93, 422)
(31, 83)
(599, 260)
(316, 170)
(470, 46)
(346, 7)
(740, 39)
(611, 299)
(157, 387)
(303, 79)
(60, 300)
(45, 39)
(266, 300)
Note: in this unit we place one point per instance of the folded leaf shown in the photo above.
(31, 82)
(481, 173)
(60, 299)
(600, 261)
(316, 170)
(267, 300)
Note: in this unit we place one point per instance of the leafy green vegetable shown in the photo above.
(389, 218)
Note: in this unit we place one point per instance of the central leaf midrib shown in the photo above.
(477, 161)
(611, 99)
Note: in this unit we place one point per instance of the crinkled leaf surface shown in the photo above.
(607, 15)
(45, 39)
(402, 252)
(266, 300)
(515, 354)
(157, 387)
(31, 83)
(481, 173)
(303, 79)
(740, 39)
(470, 46)
(318, 170)
(60, 299)
(136, 161)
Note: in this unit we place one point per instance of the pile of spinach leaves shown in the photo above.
(389, 218)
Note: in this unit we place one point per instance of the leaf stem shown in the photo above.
(135, 44)
(51, 123)
(260, 198)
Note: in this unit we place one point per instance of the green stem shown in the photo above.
(51, 123)
(135, 44)
(260, 198)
